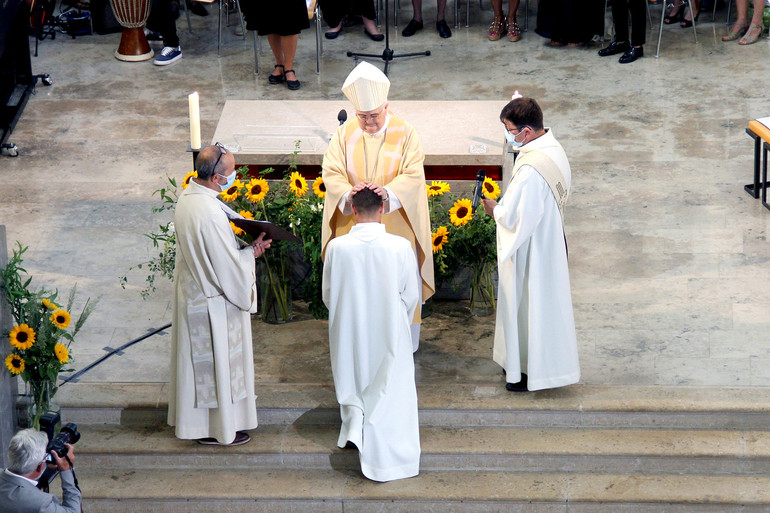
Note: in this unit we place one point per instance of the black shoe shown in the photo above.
(411, 28)
(631, 55)
(332, 34)
(521, 386)
(277, 79)
(614, 49)
(374, 37)
(196, 8)
(293, 84)
(443, 29)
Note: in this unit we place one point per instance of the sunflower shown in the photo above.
(189, 176)
(439, 238)
(237, 230)
(232, 193)
(491, 189)
(22, 337)
(62, 353)
(15, 364)
(461, 212)
(246, 214)
(437, 188)
(319, 188)
(61, 318)
(49, 304)
(298, 184)
(256, 189)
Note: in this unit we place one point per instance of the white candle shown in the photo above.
(195, 121)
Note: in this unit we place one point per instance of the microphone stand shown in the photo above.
(387, 53)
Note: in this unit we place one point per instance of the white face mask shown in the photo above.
(229, 183)
(512, 139)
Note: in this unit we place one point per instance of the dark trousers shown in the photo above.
(334, 10)
(162, 19)
(620, 9)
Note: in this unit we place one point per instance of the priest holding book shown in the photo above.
(381, 149)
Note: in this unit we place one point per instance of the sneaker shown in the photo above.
(168, 55)
(151, 35)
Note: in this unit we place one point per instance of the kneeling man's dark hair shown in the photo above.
(367, 201)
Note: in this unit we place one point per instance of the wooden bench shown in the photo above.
(761, 135)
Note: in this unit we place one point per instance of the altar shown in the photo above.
(458, 137)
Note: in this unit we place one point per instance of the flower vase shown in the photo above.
(36, 402)
(276, 293)
(482, 290)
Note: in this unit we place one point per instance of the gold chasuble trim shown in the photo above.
(399, 166)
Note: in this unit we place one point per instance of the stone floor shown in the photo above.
(669, 257)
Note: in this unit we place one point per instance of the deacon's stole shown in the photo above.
(395, 160)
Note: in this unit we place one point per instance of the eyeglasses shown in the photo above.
(369, 117)
(518, 130)
(222, 151)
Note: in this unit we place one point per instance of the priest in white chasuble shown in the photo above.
(380, 148)
(535, 340)
(370, 287)
(211, 383)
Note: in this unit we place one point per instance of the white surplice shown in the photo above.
(211, 388)
(370, 287)
(535, 327)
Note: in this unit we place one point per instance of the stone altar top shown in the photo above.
(452, 133)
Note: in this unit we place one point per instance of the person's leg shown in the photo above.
(513, 6)
(333, 11)
(620, 20)
(417, 10)
(756, 27)
(497, 8)
(495, 31)
(742, 22)
(440, 9)
(289, 48)
(275, 45)
(162, 20)
(638, 22)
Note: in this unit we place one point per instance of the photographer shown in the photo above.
(27, 462)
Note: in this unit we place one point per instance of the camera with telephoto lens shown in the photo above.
(69, 434)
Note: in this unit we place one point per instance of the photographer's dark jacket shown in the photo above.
(18, 495)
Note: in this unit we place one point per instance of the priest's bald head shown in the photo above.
(215, 166)
(367, 206)
(367, 89)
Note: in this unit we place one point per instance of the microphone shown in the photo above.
(342, 116)
(477, 194)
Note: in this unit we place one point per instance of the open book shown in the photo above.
(255, 227)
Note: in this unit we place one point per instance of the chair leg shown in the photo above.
(692, 15)
(660, 30)
(256, 53)
(468, 13)
(395, 13)
(219, 29)
(318, 40)
(187, 13)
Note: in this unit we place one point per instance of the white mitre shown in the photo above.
(366, 87)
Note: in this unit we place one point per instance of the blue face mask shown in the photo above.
(512, 139)
(229, 183)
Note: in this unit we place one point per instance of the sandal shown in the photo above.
(495, 31)
(672, 17)
(736, 32)
(277, 79)
(514, 33)
(293, 84)
(752, 35)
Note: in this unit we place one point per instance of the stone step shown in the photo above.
(455, 404)
(342, 490)
(308, 446)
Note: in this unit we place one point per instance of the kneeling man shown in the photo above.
(370, 288)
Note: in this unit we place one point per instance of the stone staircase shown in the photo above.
(581, 449)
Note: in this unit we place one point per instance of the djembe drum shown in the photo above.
(132, 15)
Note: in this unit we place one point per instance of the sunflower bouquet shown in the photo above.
(41, 336)
(467, 240)
(292, 204)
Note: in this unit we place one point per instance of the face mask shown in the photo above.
(512, 139)
(229, 183)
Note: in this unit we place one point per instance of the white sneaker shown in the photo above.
(168, 55)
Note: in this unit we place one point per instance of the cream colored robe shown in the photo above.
(535, 327)
(369, 270)
(395, 160)
(211, 388)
